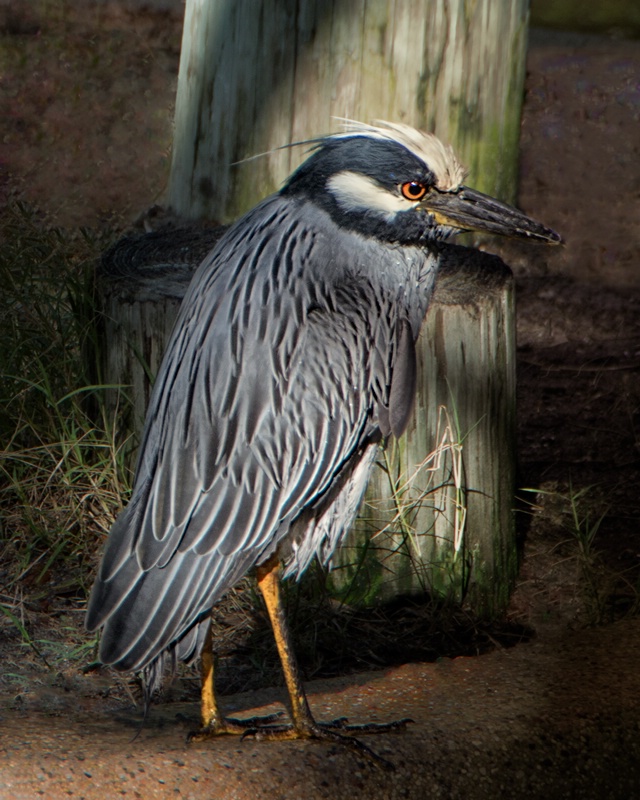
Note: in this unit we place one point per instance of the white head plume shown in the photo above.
(441, 160)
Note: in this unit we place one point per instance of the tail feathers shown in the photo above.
(157, 611)
(163, 668)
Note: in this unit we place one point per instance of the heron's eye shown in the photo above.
(413, 190)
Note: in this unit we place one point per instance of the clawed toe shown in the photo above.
(230, 726)
(337, 731)
(266, 728)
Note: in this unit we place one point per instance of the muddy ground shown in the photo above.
(85, 133)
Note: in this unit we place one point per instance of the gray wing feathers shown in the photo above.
(266, 391)
(403, 380)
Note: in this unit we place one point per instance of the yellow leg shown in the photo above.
(209, 712)
(212, 720)
(269, 585)
(304, 726)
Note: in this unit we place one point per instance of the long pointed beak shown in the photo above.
(469, 210)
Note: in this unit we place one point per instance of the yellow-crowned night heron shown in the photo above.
(292, 357)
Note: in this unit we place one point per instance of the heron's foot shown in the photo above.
(335, 731)
(230, 726)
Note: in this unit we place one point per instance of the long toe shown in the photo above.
(335, 732)
(233, 727)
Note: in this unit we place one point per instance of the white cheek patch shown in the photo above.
(356, 192)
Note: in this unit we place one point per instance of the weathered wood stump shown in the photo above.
(439, 521)
(141, 282)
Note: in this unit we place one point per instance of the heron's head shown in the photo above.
(398, 184)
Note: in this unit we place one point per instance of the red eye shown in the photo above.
(413, 190)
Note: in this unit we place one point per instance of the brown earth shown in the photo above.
(86, 96)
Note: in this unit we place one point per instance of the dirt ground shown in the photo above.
(86, 102)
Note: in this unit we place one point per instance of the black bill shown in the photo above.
(469, 210)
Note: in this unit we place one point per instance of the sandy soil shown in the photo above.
(543, 720)
(85, 131)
